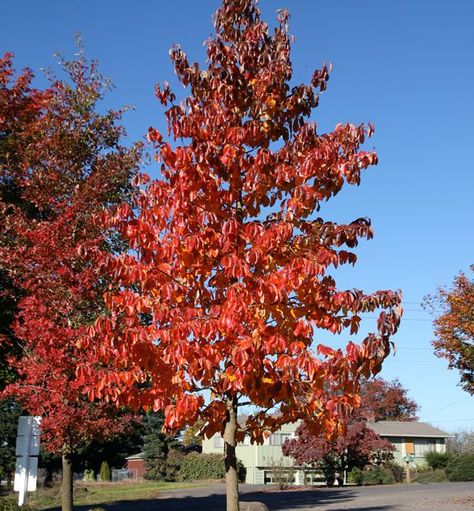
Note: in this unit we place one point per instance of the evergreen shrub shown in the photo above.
(461, 468)
(436, 460)
(105, 472)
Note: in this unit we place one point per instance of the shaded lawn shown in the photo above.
(101, 493)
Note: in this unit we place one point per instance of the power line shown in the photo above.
(453, 420)
(446, 406)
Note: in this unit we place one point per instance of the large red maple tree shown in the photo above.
(231, 273)
(61, 163)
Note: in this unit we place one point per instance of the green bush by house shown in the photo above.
(206, 466)
(356, 476)
(437, 460)
(461, 468)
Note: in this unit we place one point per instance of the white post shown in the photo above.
(24, 487)
(27, 450)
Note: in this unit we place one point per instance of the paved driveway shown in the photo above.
(416, 497)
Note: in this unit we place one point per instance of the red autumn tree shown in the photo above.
(62, 163)
(355, 448)
(382, 400)
(454, 327)
(231, 272)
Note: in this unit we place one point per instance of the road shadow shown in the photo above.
(275, 500)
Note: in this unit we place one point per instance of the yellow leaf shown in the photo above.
(271, 103)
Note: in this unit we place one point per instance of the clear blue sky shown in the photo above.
(406, 66)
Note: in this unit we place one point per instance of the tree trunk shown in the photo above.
(231, 476)
(67, 484)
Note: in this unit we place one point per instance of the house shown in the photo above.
(259, 460)
(136, 465)
(416, 438)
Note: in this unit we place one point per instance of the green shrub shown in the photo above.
(174, 461)
(206, 466)
(379, 476)
(461, 468)
(397, 471)
(88, 475)
(10, 503)
(436, 460)
(356, 476)
(105, 472)
(421, 468)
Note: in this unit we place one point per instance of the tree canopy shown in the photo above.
(61, 163)
(231, 273)
(454, 327)
(383, 400)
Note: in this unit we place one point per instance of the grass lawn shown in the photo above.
(102, 493)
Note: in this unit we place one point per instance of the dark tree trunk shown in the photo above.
(67, 484)
(231, 476)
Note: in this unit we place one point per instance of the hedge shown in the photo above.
(206, 466)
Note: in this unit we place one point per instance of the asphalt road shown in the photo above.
(416, 497)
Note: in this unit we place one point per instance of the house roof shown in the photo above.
(138, 456)
(409, 429)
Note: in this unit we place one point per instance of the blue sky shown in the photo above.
(405, 66)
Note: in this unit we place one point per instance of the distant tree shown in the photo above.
(385, 400)
(333, 456)
(380, 400)
(62, 163)
(461, 442)
(454, 327)
(191, 435)
(114, 451)
(157, 446)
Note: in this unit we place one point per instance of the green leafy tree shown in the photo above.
(157, 446)
(9, 413)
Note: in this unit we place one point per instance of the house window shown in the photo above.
(278, 438)
(218, 442)
(424, 446)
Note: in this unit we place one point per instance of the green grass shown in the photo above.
(102, 493)
(432, 476)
